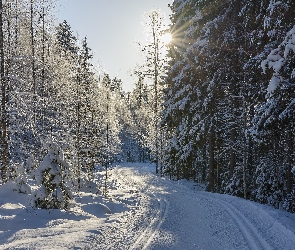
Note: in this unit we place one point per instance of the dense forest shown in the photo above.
(228, 113)
(60, 119)
(218, 105)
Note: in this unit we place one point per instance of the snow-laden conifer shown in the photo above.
(54, 179)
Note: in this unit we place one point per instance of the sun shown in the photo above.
(166, 38)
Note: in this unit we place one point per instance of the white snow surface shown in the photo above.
(144, 211)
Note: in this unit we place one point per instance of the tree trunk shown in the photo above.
(4, 121)
(33, 47)
(211, 162)
(232, 163)
(33, 78)
(43, 70)
(156, 97)
(289, 174)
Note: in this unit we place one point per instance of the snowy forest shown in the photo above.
(216, 106)
(228, 106)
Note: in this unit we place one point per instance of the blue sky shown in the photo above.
(112, 27)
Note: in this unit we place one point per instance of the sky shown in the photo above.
(112, 28)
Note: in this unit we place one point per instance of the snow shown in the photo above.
(274, 84)
(144, 211)
(277, 59)
(272, 5)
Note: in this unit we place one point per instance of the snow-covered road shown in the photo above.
(185, 217)
(146, 212)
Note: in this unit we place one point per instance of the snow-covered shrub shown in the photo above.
(53, 176)
(31, 165)
(289, 202)
(19, 176)
(234, 186)
(269, 185)
(88, 185)
(21, 179)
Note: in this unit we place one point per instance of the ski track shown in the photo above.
(147, 233)
(158, 216)
(251, 235)
(146, 238)
(161, 219)
(165, 215)
(253, 238)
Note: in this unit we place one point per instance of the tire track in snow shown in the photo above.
(250, 233)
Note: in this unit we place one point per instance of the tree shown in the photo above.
(219, 125)
(53, 176)
(137, 119)
(155, 69)
(66, 40)
(4, 90)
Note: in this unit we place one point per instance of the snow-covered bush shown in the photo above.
(289, 202)
(18, 175)
(31, 165)
(21, 179)
(53, 176)
(269, 185)
(234, 186)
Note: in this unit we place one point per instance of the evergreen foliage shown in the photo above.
(219, 109)
(229, 103)
(54, 179)
(50, 93)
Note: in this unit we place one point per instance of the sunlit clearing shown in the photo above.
(166, 38)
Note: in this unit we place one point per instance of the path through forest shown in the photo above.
(185, 217)
(146, 212)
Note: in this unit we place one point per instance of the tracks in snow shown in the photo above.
(250, 233)
(158, 211)
(147, 236)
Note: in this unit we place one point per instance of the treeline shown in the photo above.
(61, 120)
(230, 96)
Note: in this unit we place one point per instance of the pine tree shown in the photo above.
(273, 121)
(219, 125)
(155, 69)
(136, 123)
(53, 176)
